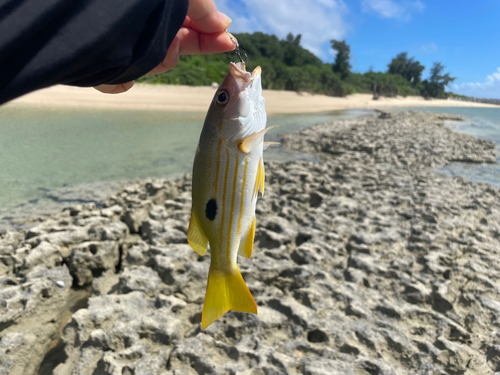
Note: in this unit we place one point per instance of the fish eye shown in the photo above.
(223, 97)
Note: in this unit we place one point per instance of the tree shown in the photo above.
(435, 86)
(409, 68)
(294, 54)
(294, 40)
(341, 64)
(398, 64)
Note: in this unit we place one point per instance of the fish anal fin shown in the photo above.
(196, 237)
(249, 143)
(246, 246)
(226, 290)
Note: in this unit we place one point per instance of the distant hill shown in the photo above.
(286, 66)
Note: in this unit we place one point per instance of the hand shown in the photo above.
(203, 31)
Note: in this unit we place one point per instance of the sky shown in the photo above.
(462, 35)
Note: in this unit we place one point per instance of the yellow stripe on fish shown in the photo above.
(244, 184)
(231, 215)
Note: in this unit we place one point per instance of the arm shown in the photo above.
(203, 31)
(95, 42)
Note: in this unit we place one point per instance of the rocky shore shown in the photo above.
(364, 263)
(478, 100)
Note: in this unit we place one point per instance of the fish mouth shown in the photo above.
(243, 79)
(238, 71)
(256, 72)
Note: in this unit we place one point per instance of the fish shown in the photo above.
(228, 172)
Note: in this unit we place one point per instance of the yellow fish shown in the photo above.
(227, 173)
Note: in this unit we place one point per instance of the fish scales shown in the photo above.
(227, 171)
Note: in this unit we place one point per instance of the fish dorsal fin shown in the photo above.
(196, 237)
(249, 143)
(246, 246)
(267, 144)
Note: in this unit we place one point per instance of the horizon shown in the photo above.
(452, 33)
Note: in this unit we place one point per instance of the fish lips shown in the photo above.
(241, 76)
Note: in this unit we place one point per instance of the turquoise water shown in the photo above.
(42, 149)
(482, 123)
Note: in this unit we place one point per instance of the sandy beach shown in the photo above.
(189, 98)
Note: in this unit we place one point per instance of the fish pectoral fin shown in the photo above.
(226, 290)
(267, 144)
(249, 143)
(246, 246)
(196, 237)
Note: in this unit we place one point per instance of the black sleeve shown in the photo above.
(82, 42)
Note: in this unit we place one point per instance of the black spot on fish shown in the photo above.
(211, 209)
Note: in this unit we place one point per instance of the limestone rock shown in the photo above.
(92, 258)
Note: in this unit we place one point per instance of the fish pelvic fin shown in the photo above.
(226, 290)
(196, 237)
(257, 180)
(262, 176)
(246, 246)
(249, 143)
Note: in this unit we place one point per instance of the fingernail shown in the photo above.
(176, 44)
(233, 39)
(225, 19)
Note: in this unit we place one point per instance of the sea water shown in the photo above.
(43, 150)
(46, 149)
(479, 122)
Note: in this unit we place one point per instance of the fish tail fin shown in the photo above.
(226, 290)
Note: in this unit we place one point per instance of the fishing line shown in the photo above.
(237, 49)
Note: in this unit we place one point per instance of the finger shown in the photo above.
(193, 43)
(170, 60)
(205, 18)
(115, 89)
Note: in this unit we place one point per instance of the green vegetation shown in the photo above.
(409, 68)
(434, 87)
(342, 64)
(380, 84)
(288, 66)
(450, 94)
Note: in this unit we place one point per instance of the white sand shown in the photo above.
(188, 98)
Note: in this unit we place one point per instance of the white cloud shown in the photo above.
(400, 10)
(429, 48)
(490, 88)
(318, 21)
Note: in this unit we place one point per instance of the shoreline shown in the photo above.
(197, 99)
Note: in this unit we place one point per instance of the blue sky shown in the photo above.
(463, 35)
